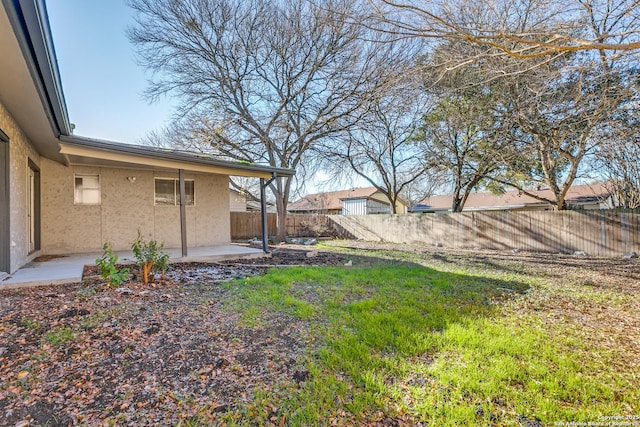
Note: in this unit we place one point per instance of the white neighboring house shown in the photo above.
(357, 201)
(364, 206)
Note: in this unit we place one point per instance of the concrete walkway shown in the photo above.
(68, 268)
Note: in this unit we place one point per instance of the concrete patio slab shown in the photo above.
(68, 268)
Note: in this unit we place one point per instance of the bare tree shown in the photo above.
(559, 111)
(567, 67)
(621, 170)
(464, 134)
(517, 28)
(617, 159)
(380, 147)
(259, 81)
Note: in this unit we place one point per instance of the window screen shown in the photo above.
(167, 191)
(87, 190)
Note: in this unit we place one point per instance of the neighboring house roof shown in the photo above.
(577, 195)
(329, 201)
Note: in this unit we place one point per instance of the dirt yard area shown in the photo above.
(82, 353)
(148, 355)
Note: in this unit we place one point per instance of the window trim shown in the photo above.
(176, 191)
(34, 202)
(75, 176)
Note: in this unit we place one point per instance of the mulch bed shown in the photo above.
(144, 354)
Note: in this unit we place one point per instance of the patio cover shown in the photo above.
(78, 150)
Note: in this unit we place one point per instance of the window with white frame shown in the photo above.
(86, 189)
(167, 191)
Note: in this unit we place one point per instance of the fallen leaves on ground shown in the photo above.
(154, 355)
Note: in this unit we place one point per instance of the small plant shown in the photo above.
(29, 323)
(162, 263)
(150, 257)
(59, 336)
(108, 269)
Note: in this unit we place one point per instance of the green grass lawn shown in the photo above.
(403, 337)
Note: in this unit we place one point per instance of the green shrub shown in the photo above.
(108, 267)
(150, 257)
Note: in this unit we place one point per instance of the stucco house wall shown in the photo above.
(126, 207)
(20, 152)
(237, 202)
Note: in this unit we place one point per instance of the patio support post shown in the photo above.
(183, 213)
(263, 212)
(263, 215)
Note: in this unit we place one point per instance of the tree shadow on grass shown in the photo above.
(422, 298)
(378, 322)
(470, 259)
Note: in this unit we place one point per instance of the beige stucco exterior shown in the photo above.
(237, 202)
(37, 147)
(127, 207)
(20, 152)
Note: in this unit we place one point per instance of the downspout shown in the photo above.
(263, 213)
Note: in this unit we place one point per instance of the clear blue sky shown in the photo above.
(102, 84)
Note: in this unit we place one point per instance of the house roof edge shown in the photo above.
(30, 24)
(170, 155)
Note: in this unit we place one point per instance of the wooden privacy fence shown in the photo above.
(247, 225)
(595, 232)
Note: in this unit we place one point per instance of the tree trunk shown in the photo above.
(146, 270)
(456, 205)
(281, 191)
(394, 202)
(281, 223)
(561, 204)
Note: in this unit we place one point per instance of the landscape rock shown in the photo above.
(124, 291)
(580, 253)
(301, 241)
(255, 243)
(528, 422)
(300, 376)
(153, 329)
